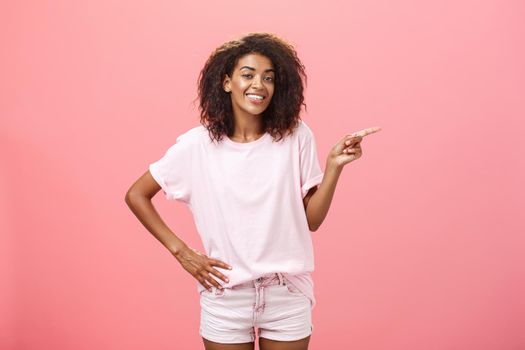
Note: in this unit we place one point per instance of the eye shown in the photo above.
(246, 75)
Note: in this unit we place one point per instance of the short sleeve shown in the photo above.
(173, 171)
(311, 173)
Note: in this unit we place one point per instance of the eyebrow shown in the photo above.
(267, 70)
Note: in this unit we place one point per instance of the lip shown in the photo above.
(256, 102)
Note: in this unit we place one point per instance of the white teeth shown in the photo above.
(255, 96)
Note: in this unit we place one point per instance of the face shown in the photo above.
(252, 78)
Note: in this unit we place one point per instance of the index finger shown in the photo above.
(366, 131)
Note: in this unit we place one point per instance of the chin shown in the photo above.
(257, 112)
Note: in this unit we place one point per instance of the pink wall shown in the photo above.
(423, 245)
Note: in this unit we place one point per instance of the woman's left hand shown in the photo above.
(348, 148)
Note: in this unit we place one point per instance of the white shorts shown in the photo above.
(268, 306)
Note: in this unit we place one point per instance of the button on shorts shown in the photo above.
(268, 306)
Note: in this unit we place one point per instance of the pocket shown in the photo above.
(214, 292)
(291, 289)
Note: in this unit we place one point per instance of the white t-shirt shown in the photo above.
(247, 201)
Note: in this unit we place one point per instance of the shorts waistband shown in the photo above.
(265, 280)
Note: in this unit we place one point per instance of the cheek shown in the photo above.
(270, 89)
(242, 85)
(238, 93)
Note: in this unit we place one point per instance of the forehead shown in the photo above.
(254, 60)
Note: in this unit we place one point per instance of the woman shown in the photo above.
(250, 175)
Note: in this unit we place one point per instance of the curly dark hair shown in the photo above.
(282, 114)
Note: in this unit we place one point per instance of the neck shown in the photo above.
(248, 127)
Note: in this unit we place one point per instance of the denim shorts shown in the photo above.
(268, 306)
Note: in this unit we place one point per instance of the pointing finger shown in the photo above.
(366, 131)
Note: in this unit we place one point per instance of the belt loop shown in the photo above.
(281, 278)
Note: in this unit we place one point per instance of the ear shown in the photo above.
(226, 83)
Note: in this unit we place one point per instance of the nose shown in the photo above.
(256, 83)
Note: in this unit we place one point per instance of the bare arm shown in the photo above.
(201, 267)
(318, 200)
(138, 199)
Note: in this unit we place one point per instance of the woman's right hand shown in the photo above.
(200, 266)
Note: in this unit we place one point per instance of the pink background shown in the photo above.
(423, 244)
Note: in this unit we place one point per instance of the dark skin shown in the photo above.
(201, 267)
(138, 198)
(253, 74)
(264, 344)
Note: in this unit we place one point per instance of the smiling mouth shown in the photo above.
(254, 97)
